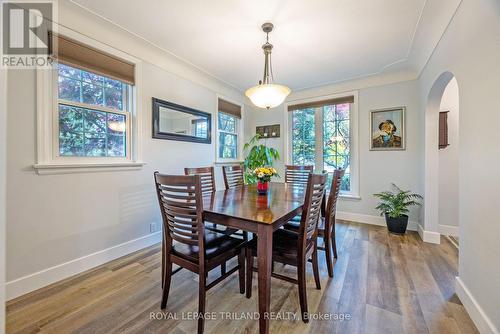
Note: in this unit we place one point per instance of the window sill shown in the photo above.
(50, 169)
(349, 197)
(228, 162)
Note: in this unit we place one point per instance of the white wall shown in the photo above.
(470, 49)
(3, 146)
(377, 169)
(448, 162)
(54, 219)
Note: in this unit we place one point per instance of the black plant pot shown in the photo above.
(396, 225)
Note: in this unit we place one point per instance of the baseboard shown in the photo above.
(448, 230)
(429, 236)
(28, 283)
(369, 219)
(426, 236)
(480, 319)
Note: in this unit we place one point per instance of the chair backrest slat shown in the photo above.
(181, 206)
(207, 178)
(297, 174)
(331, 205)
(312, 209)
(233, 176)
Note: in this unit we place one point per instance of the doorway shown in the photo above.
(442, 159)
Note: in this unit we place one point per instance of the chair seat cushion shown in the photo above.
(294, 225)
(285, 243)
(214, 227)
(215, 244)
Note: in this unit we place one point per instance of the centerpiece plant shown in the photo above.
(258, 155)
(263, 175)
(395, 206)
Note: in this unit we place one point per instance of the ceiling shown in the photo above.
(316, 42)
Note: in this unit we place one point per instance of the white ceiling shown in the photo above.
(316, 42)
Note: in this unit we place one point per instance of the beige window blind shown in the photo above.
(76, 54)
(318, 104)
(229, 108)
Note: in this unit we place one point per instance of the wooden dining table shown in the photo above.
(243, 208)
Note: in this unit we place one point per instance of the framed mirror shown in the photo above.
(175, 122)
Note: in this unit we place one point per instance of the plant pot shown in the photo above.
(262, 187)
(396, 225)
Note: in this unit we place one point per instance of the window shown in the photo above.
(87, 118)
(303, 137)
(93, 114)
(321, 135)
(228, 131)
(336, 141)
(228, 136)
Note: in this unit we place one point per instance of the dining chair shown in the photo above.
(326, 225)
(196, 248)
(207, 175)
(297, 174)
(233, 176)
(295, 249)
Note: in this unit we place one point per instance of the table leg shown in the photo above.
(264, 262)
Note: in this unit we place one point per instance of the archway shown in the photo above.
(431, 231)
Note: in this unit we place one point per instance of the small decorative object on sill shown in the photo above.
(394, 206)
(263, 175)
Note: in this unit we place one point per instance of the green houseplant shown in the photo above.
(257, 155)
(394, 206)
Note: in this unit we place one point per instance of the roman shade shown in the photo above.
(229, 108)
(76, 54)
(318, 104)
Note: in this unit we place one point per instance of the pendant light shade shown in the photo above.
(267, 94)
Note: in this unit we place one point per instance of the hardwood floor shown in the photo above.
(382, 283)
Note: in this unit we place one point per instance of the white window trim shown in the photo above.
(48, 161)
(239, 132)
(354, 137)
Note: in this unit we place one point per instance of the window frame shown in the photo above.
(55, 118)
(48, 159)
(238, 132)
(319, 124)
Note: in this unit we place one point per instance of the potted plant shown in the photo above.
(258, 155)
(263, 175)
(394, 205)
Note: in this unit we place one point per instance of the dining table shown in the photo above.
(243, 208)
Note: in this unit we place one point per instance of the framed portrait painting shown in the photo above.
(387, 128)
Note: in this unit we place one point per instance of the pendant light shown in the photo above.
(267, 94)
